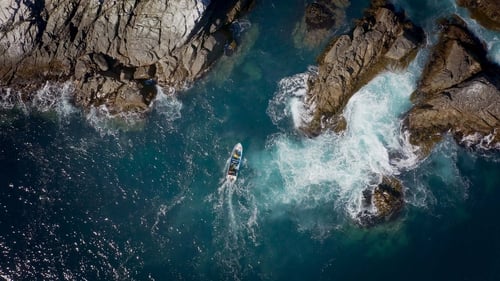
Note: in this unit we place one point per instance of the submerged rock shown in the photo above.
(320, 19)
(382, 203)
(382, 38)
(486, 12)
(109, 47)
(459, 93)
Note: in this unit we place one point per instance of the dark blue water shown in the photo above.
(83, 199)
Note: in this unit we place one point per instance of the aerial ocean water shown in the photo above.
(89, 196)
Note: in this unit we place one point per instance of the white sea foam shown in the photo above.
(10, 99)
(166, 104)
(479, 141)
(334, 168)
(107, 122)
(51, 97)
(287, 103)
(55, 97)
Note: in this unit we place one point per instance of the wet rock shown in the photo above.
(486, 12)
(383, 37)
(110, 46)
(459, 93)
(382, 203)
(318, 16)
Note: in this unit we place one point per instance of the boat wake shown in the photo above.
(235, 226)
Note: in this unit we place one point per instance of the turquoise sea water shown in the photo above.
(82, 199)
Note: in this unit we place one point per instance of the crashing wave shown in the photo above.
(480, 142)
(288, 102)
(334, 169)
(51, 97)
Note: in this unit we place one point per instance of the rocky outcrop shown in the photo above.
(459, 93)
(320, 19)
(382, 203)
(109, 48)
(383, 37)
(486, 12)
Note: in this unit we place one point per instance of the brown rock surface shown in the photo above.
(382, 203)
(459, 92)
(383, 37)
(486, 12)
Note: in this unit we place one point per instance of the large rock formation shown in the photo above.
(383, 37)
(486, 12)
(459, 93)
(110, 48)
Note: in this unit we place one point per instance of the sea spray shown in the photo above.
(287, 103)
(107, 122)
(51, 97)
(334, 168)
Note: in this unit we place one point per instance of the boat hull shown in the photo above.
(234, 163)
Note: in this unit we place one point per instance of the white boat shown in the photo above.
(234, 163)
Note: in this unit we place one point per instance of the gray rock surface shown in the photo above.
(110, 47)
(459, 93)
(383, 37)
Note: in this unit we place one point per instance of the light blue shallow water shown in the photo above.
(81, 199)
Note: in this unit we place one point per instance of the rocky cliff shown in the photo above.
(382, 38)
(109, 48)
(459, 93)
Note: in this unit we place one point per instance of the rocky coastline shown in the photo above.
(109, 49)
(458, 92)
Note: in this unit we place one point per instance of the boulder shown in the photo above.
(383, 37)
(109, 47)
(381, 203)
(486, 12)
(457, 56)
(459, 93)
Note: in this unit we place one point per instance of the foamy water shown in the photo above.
(335, 168)
(107, 122)
(51, 97)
